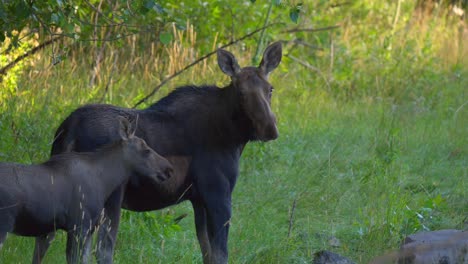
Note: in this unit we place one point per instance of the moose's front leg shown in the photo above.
(202, 229)
(218, 210)
(215, 178)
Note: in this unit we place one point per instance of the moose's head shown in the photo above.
(254, 89)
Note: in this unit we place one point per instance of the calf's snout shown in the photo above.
(165, 172)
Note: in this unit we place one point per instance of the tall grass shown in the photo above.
(373, 139)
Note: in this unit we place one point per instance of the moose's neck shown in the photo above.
(211, 117)
(244, 128)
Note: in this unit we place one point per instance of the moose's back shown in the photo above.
(93, 126)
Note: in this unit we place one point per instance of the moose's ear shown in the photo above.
(271, 58)
(124, 128)
(228, 63)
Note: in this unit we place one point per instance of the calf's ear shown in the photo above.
(124, 128)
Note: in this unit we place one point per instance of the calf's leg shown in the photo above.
(87, 247)
(75, 244)
(107, 232)
(74, 247)
(40, 248)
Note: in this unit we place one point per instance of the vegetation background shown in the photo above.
(371, 99)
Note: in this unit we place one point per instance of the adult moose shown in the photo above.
(69, 191)
(202, 131)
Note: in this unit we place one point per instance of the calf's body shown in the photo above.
(69, 191)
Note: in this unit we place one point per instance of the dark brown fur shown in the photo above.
(202, 131)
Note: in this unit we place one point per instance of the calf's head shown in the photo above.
(140, 158)
(254, 88)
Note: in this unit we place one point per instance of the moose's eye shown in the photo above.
(146, 152)
(271, 90)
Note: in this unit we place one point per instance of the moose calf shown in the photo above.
(69, 191)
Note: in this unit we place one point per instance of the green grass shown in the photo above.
(360, 171)
(377, 152)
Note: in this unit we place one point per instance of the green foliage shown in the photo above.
(112, 21)
(156, 224)
(426, 218)
(165, 38)
(80, 20)
(372, 118)
(10, 79)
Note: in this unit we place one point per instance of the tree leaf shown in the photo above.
(294, 15)
(294, 12)
(55, 19)
(165, 38)
(149, 4)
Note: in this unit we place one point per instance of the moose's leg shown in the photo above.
(76, 239)
(218, 208)
(76, 244)
(74, 247)
(87, 247)
(40, 248)
(214, 177)
(3, 236)
(7, 223)
(216, 196)
(202, 231)
(7, 218)
(107, 232)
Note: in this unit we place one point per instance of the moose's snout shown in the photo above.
(274, 133)
(270, 133)
(266, 129)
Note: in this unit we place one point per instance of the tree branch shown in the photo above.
(310, 29)
(308, 66)
(198, 61)
(4, 70)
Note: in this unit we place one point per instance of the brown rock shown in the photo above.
(436, 247)
(439, 247)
